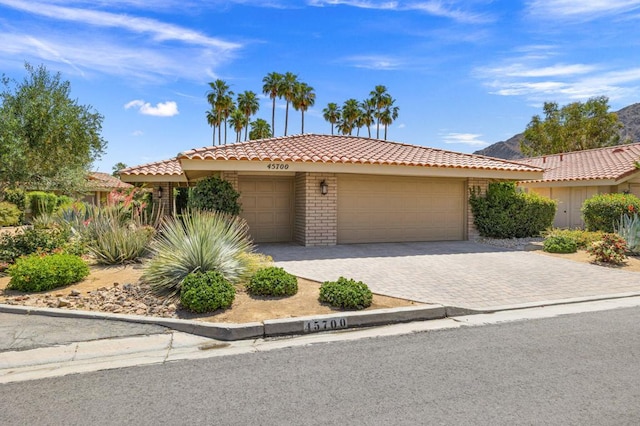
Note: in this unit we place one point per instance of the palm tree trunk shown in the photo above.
(273, 119)
(286, 119)
(225, 131)
(302, 122)
(219, 134)
(331, 129)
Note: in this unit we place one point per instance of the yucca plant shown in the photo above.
(198, 242)
(629, 229)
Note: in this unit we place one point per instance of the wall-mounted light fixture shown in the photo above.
(324, 188)
(159, 192)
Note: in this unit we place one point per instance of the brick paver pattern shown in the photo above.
(461, 273)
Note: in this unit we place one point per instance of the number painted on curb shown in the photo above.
(313, 326)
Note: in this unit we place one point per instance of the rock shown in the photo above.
(74, 293)
(63, 303)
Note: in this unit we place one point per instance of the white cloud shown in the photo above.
(137, 133)
(471, 139)
(374, 62)
(162, 109)
(581, 9)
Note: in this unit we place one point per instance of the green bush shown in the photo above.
(272, 281)
(206, 292)
(503, 212)
(46, 272)
(346, 293)
(17, 197)
(610, 249)
(583, 238)
(629, 229)
(560, 244)
(42, 202)
(9, 214)
(214, 194)
(602, 212)
(32, 240)
(198, 241)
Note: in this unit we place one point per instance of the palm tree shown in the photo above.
(349, 117)
(388, 116)
(303, 98)
(331, 114)
(226, 106)
(219, 89)
(367, 111)
(287, 91)
(213, 119)
(249, 104)
(380, 98)
(259, 129)
(238, 121)
(271, 86)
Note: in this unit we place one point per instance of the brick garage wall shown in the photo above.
(231, 177)
(481, 184)
(316, 215)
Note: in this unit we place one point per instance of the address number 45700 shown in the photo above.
(312, 326)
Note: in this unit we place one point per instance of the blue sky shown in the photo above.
(465, 74)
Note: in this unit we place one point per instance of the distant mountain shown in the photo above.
(510, 149)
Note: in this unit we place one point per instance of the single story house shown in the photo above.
(572, 177)
(99, 185)
(324, 190)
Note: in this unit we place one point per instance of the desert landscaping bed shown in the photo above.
(118, 289)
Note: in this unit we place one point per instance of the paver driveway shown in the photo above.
(460, 273)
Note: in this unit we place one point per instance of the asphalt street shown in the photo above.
(577, 369)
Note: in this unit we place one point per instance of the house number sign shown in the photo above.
(313, 326)
(275, 166)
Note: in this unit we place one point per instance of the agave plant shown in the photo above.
(629, 229)
(198, 241)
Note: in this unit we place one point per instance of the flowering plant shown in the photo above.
(610, 249)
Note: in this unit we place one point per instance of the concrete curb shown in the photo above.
(252, 330)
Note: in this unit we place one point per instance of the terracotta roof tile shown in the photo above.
(105, 180)
(347, 150)
(612, 163)
(165, 167)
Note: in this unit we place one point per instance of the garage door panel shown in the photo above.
(267, 206)
(392, 208)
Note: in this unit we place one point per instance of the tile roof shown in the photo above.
(612, 163)
(105, 180)
(165, 167)
(313, 148)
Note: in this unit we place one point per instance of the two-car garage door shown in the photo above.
(397, 209)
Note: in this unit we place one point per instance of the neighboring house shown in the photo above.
(99, 185)
(325, 190)
(572, 177)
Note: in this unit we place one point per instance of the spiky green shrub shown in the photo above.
(206, 292)
(602, 212)
(503, 212)
(559, 244)
(214, 194)
(255, 262)
(628, 228)
(9, 214)
(346, 293)
(46, 272)
(272, 281)
(610, 249)
(198, 241)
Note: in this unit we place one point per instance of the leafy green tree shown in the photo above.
(260, 129)
(47, 139)
(388, 115)
(216, 98)
(332, 114)
(367, 118)
(303, 98)
(288, 90)
(271, 85)
(117, 167)
(349, 117)
(380, 99)
(249, 104)
(574, 127)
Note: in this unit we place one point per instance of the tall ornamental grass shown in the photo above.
(199, 241)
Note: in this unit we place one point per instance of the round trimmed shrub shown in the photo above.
(214, 194)
(560, 244)
(272, 281)
(42, 273)
(346, 293)
(206, 292)
(9, 214)
(602, 212)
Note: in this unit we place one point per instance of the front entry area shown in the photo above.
(373, 209)
(267, 206)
